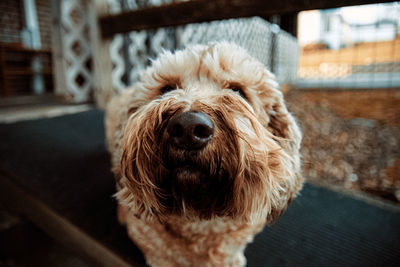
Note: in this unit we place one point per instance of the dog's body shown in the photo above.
(204, 153)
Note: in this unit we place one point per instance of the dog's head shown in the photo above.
(209, 135)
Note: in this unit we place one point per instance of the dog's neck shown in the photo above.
(177, 227)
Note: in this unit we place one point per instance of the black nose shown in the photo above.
(190, 130)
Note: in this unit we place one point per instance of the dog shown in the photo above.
(205, 154)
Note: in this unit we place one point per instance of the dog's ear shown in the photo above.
(277, 118)
(287, 134)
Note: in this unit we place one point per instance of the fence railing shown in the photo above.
(195, 11)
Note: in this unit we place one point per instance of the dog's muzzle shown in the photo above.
(190, 130)
(186, 179)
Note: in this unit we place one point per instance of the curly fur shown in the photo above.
(245, 177)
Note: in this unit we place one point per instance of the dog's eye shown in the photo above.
(238, 89)
(167, 88)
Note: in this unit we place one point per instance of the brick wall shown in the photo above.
(12, 17)
(10, 21)
(43, 10)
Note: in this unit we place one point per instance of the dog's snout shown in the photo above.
(190, 130)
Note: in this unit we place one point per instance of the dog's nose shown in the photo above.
(190, 130)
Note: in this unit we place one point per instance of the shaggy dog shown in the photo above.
(204, 154)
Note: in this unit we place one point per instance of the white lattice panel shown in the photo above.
(117, 61)
(76, 50)
(141, 46)
(137, 54)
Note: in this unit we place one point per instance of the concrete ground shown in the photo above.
(21, 242)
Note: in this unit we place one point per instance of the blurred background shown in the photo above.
(349, 102)
(339, 69)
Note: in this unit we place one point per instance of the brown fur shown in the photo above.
(243, 178)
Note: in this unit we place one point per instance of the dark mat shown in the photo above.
(63, 162)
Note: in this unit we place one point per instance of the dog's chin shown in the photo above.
(187, 174)
(191, 189)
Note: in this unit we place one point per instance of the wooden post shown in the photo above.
(58, 60)
(102, 71)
